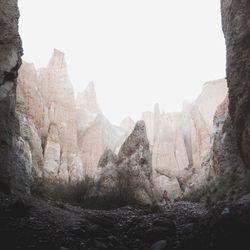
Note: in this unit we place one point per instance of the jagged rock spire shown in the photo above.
(87, 99)
(136, 139)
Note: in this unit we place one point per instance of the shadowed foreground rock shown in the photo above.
(236, 27)
(29, 223)
(10, 60)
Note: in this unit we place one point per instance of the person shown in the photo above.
(165, 196)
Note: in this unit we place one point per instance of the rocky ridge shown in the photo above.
(181, 142)
(236, 28)
(46, 111)
(130, 173)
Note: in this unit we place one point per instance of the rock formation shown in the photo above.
(130, 173)
(106, 176)
(180, 142)
(227, 165)
(220, 153)
(236, 28)
(58, 93)
(32, 113)
(12, 174)
(47, 115)
(64, 140)
(101, 135)
(95, 132)
(169, 152)
(87, 108)
(152, 121)
(228, 176)
(135, 165)
(213, 93)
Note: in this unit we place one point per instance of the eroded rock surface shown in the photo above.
(181, 142)
(57, 90)
(130, 173)
(106, 176)
(10, 60)
(47, 115)
(135, 165)
(95, 132)
(236, 27)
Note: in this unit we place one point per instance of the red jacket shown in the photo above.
(165, 195)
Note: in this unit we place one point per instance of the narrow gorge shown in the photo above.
(64, 138)
(70, 179)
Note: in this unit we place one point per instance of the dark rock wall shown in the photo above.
(236, 28)
(10, 60)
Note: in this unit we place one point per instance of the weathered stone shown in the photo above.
(159, 245)
(32, 113)
(130, 174)
(135, 166)
(92, 143)
(47, 114)
(95, 132)
(87, 108)
(180, 142)
(10, 60)
(213, 93)
(236, 27)
(106, 176)
(169, 152)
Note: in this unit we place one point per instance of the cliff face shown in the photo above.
(63, 140)
(236, 27)
(32, 113)
(230, 152)
(169, 152)
(87, 108)
(47, 115)
(95, 132)
(180, 142)
(61, 149)
(98, 137)
(10, 60)
(126, 127)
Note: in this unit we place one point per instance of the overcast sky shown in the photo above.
(137, 52)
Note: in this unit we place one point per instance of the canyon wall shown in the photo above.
(228, 163)
(181, 141)
(61, 157)
(95, 133)
(10, 60)
(45, 134)
(64, 139)
(236, 28)
(47, 116)
(228, 176)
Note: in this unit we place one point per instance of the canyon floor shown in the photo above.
(31, 223)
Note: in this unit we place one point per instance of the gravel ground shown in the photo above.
(30, 223)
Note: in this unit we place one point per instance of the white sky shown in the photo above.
(137, 52)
